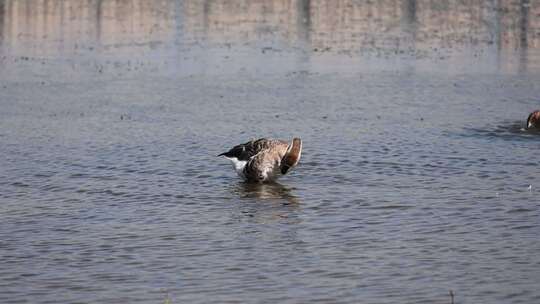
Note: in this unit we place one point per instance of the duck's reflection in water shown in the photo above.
(269, 191)
(267, 202)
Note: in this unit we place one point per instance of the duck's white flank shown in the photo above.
(238, 165)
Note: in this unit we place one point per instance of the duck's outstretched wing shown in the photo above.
(247, 150)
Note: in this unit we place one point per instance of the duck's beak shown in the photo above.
(224, 154)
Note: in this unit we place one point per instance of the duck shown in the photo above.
(533, 121)
(264, 159)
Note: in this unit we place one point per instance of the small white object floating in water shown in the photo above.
(264, 160)
(530, 188)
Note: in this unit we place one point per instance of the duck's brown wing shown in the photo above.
(269, 156)
(247, 150)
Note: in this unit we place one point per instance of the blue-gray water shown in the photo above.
(416, 176)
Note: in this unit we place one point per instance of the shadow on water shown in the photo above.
(509, 130)
(270, 191)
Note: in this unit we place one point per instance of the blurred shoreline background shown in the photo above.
(494, 35)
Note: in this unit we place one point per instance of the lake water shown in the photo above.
(416, 176)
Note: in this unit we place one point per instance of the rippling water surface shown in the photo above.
(416, 178)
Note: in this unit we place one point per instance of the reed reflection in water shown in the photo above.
(508, 31)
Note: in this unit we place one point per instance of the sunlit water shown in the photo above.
(416, 178)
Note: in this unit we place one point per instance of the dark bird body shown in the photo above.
(533, 121)
(264, 159)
